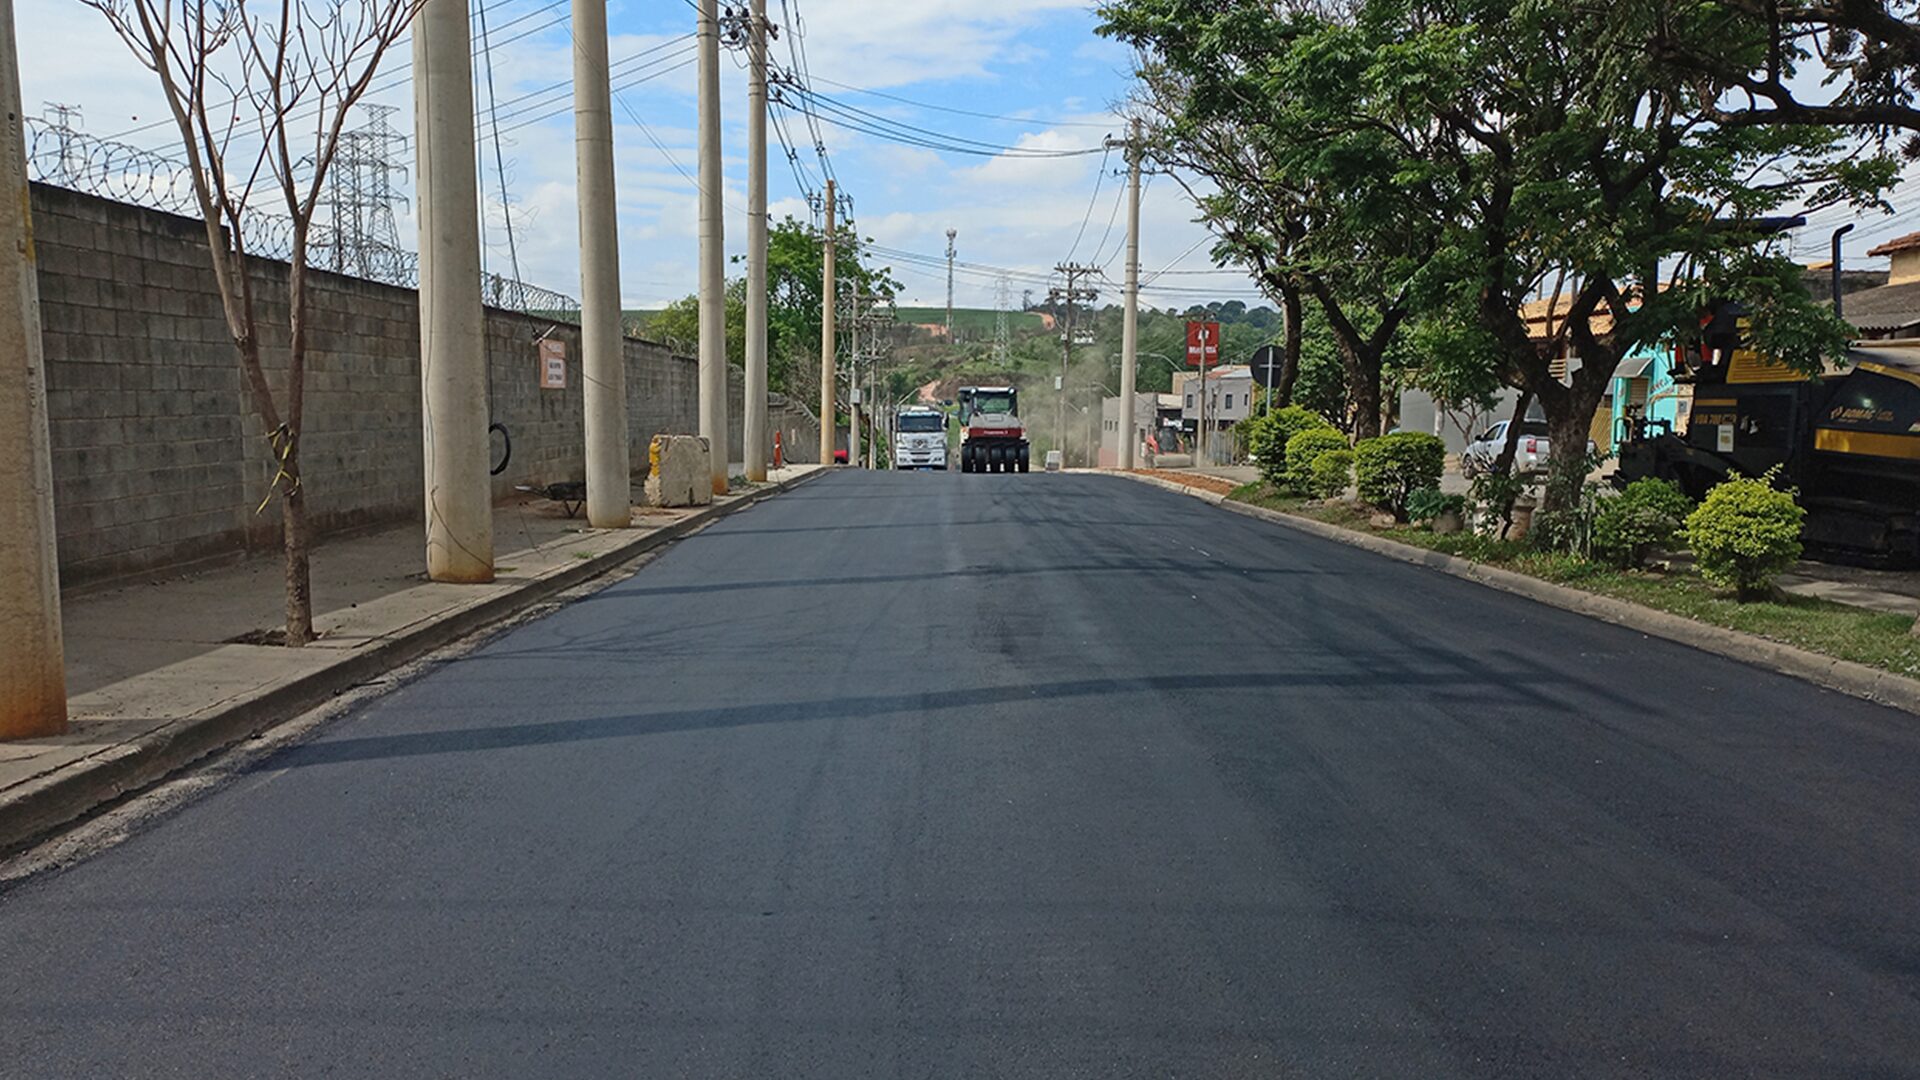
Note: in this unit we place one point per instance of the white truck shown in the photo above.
(920, 439)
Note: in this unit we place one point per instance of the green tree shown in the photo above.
(796, 266)
(1268, 106)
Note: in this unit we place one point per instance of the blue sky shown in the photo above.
(1035, 59)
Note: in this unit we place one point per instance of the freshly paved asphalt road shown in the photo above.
(942, 775)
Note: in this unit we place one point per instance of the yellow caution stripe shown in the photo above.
(1868, 444)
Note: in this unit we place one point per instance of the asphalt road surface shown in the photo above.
(942, 775)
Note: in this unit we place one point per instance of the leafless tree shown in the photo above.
(260, 93)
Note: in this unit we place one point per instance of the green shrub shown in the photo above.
(1332, 472)
(1429, 503)
(1267, 439)
(1646, 515)
(1303, 449)
(1391, 468)
(1744, 534)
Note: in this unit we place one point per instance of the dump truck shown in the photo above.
(994, 438)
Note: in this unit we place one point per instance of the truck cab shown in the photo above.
(920, 439)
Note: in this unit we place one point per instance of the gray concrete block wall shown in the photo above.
(159, 456)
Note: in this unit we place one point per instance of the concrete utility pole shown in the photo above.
(713, 285)
(453, 354)
(828, 340)
(1130, 326)
(952, 234)
(33, 686)
(853, 381)
(754, 426)
(1073, 272)
(602, 354)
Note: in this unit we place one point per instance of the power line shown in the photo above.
(499, 156)
(629, 84)
(394, 77)
(856, 119)
(1099, 177)
(1030, 120)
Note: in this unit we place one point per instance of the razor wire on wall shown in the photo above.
(62, 156)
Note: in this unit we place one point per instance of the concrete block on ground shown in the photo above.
(681, 474)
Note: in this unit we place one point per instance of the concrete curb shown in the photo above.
(39, 807)
(1846, 676)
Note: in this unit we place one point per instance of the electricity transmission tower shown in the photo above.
(64, 121)
(360, 196)
(1002, 337)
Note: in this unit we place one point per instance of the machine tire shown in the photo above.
(966, 459)
(1024, 455)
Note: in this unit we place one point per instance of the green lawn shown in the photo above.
(1868, 637)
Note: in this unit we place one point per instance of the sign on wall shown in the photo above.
(553, 364)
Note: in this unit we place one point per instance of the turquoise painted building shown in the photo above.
(1644, 386)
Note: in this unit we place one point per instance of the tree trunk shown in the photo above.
(1569, 426)
(295, 535)
(1290, 347)
(1504, 463)
(1363, 394)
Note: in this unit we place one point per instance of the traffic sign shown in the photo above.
(1266, 365)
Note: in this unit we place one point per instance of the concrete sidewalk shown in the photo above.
(165, 671)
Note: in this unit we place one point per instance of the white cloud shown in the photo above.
(1012, 57)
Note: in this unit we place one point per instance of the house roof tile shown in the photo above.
(1899, 243)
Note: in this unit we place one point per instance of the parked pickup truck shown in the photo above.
(1530, 456)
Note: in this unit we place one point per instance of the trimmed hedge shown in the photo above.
(1648, 514)
(1332, 472)
(1304, 449)
(1391, 468)
(1744, 534)
(1267, 438)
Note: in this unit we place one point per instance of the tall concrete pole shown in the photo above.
(853, 381)
(713, 284)
(453, 357)
(1130, 326)
(755, 425)
(609, 464)
(828, 340)
(33, 686)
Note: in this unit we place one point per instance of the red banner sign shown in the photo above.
(1203, 344)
